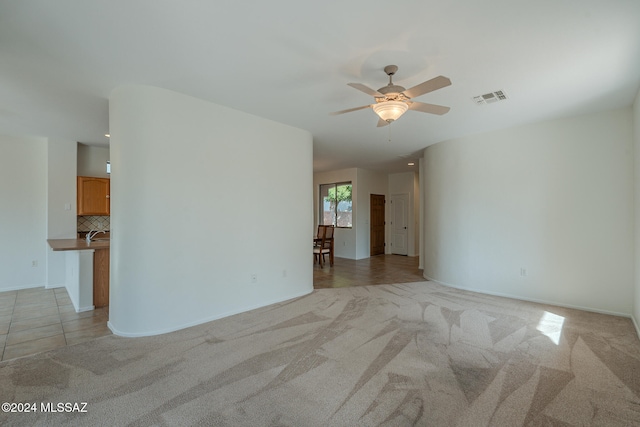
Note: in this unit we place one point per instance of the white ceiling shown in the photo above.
(291, 60)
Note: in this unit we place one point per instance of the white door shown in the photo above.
(400, 219)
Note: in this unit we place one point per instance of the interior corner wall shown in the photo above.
(369, 182)
(209, 211)
(636, 146)
(344, 238)
(23, 196)
(421, 212)
(541, 212)
(416, 215)
(61, 204)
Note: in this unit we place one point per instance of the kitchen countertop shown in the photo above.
(77, 244)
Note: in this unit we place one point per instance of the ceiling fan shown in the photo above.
(392, 101)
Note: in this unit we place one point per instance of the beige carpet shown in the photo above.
(390, 355)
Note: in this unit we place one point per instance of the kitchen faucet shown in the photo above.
(91, 236)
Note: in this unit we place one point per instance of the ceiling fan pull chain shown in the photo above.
(390, 131)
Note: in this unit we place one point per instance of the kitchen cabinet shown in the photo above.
(101, 278)
(93, 196)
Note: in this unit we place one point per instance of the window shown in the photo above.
(335, 205)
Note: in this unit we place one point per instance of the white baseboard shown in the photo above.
(19, 288)
(539, 301)
(117, 332)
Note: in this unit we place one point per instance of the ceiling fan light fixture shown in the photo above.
(390, 110)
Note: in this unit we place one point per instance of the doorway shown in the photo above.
(399, 222)
(377, 222)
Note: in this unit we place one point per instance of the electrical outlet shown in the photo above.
(523, 272)
(254, 278)
(34, 263)
(284, 273)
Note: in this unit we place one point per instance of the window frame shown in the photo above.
(335, 212)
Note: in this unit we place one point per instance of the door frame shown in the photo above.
(372, 225)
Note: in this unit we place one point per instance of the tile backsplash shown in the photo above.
(88, 223)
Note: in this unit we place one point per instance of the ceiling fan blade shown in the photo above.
(365, 89)
(382, 123)
(428, 108)
(428, 86)
(350, 110)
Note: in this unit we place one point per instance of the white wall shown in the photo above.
(368, 183)
(406, 183)
(61, 204)
(203, 197)
(92, 161)
(636, 146)
(554, 198)
(23, 210)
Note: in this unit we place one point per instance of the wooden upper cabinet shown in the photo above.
(93, 196)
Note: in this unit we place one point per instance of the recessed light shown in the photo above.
(107, 135)
(411, 164)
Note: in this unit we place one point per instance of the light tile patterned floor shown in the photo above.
(38, 319)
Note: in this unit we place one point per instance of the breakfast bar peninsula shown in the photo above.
(87, 271)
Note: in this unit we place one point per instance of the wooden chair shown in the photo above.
(323, 244)
(318, 236)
